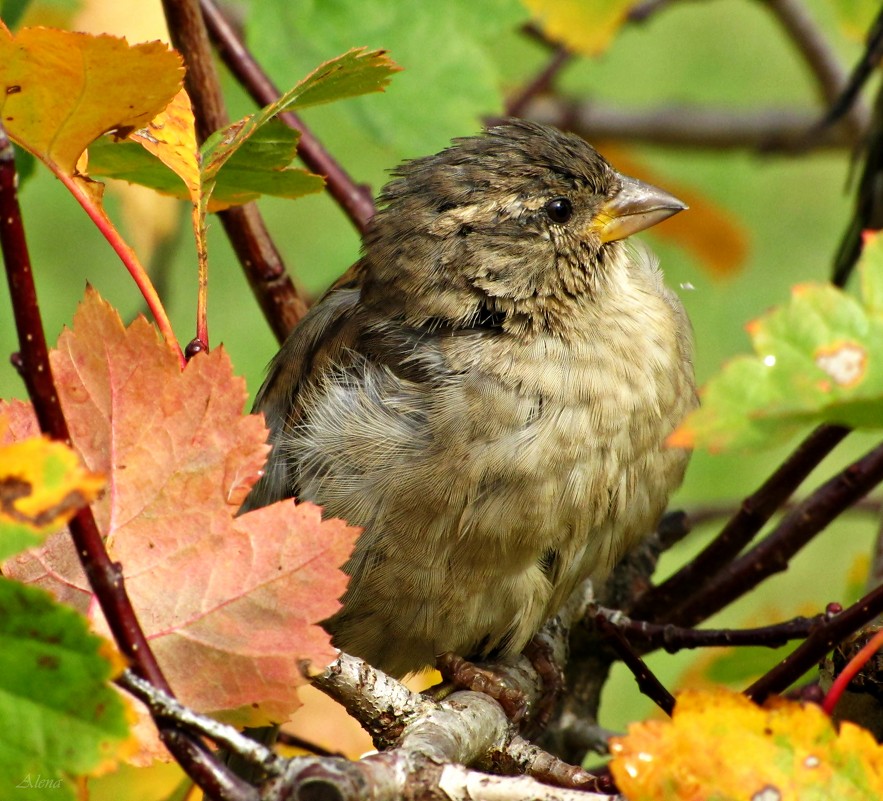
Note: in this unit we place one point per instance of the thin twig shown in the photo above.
(861, 73)
(676, 638)
(814, 648)
(809, 518)
(808, 38)
(819, 56)
(540, 83)
(648, 684)
(353, 198)
(262, 263)
(754, 512)
(216, 782)
(768, 131)
(643, 10)
(531, 760)
(105, 577)
(704, 515)
(164, 707)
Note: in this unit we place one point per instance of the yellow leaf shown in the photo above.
(171, 137)
(585, 26)
(42, 484)
(721, 745)
(63, 90)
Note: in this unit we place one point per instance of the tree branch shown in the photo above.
(753, 514)
(771, 556)
(821, 59)
(399, 774)
(819, 642)
(644, 9)
(651, 636)
(648, 684)
(540, 84)
(768, 131)
(353, 198)
(422, 736)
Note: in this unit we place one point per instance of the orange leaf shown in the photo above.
(682, 437)
(63, 89)
(228, 603)
(713, 234)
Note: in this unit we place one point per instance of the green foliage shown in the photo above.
(64, 719)
(819, 358)
(351, 74)
(451, 81)
(856, 16)
(261, 166)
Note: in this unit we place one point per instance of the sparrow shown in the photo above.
(487, 393)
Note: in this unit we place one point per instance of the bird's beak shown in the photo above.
(633, 208)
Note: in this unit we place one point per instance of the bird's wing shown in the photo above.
(323, 337)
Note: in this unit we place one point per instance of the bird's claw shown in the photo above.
(466, 675)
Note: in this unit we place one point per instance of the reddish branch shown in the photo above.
(755, 511)
(354, 199)
(105, 577)
(277, 296)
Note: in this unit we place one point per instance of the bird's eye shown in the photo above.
(560, 210)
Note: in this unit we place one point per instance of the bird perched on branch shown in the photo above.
(487, 393)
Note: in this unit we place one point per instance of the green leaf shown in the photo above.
(259, 167)
(128, 161)
(451, 80)
(872, 277)
(357, 72)
(64, 719)
(17, 537)
(354, 73)
(819, 358)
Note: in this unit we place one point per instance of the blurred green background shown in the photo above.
(460, 61)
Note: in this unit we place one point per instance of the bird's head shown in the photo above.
(514, 225)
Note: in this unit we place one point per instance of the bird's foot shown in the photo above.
(466, 675)
(541, 657)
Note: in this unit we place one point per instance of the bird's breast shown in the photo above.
(567, 436)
